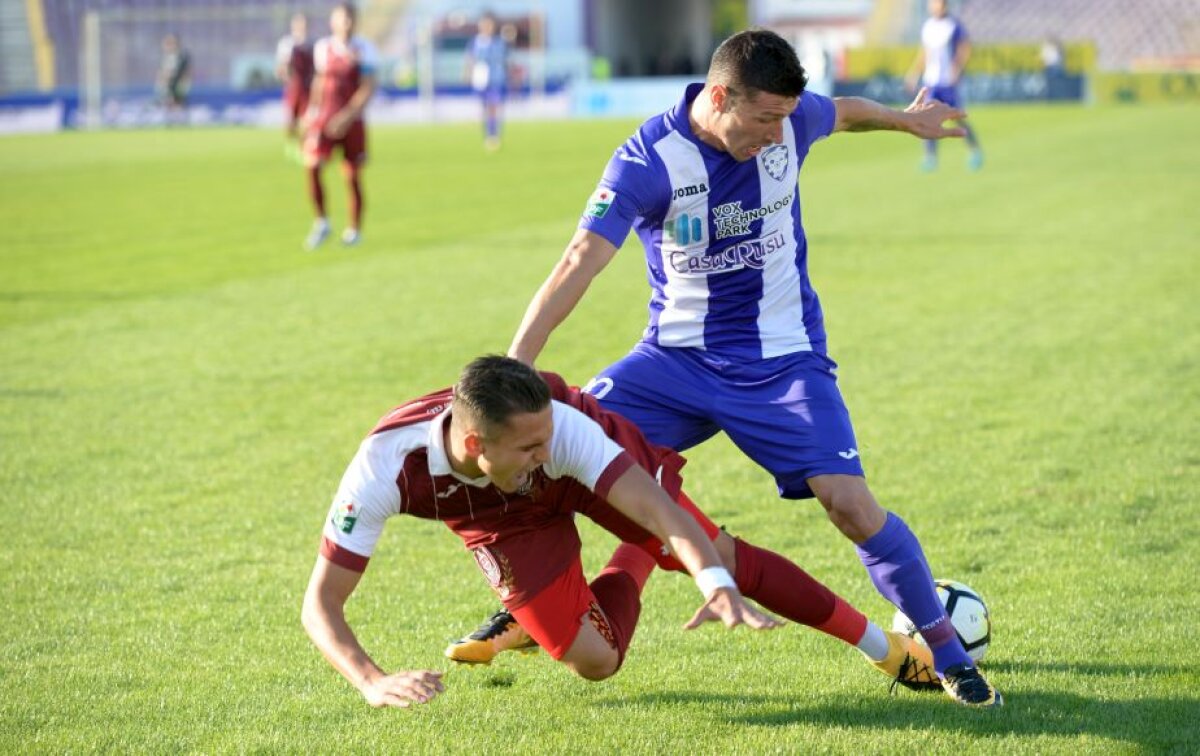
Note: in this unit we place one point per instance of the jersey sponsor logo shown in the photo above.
(599, 202)
(345, 514)
(848, 454)
(690, 191)
(747, 254)
(731, 220)
(684, 230)
(775, 160)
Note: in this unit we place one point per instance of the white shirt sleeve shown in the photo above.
(579, 448)
(320, 55)
(367, 496)
(283, 51)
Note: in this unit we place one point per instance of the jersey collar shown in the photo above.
(439, 460)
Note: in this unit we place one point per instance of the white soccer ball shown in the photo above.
(968, 613)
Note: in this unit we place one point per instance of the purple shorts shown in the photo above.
(785, 413)
(947, 94)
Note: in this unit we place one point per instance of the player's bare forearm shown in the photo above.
(584, 258)
(637, 496)
(924, 118)
(861, 114)
(360, 98)
(324, 620)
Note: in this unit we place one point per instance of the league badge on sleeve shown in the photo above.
(599, 202)
(345, 514)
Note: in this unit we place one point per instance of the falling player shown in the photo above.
(506, 458)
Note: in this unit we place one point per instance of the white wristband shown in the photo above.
(709, 579)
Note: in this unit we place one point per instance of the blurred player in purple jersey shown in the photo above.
(945, 50)
(487, 69)
(736, 338)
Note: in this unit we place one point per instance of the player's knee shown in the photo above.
(852, 509)
(596, 669)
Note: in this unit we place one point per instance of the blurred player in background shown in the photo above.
(736, 340)
(945, 50)
(174, 78)
(487, 67)
(506, 459)
(294, 67)
(343, 82)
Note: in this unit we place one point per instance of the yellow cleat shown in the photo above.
(908, 663)
(499, 633)
(966, 686)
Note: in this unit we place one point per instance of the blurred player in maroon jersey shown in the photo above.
(343, 83)
(294, 67)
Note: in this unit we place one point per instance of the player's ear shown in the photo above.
(473, 443)
(720, 98)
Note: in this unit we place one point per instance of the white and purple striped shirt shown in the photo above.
(726, 255)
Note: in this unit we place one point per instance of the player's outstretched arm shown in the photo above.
(642, 500)
(586, 255)
(924, 118)
(324, 619)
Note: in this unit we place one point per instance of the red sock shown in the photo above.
(782, 587)
(315, 191)
(633, 560)
(356, 196)
(619, 597)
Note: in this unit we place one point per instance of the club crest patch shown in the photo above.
(492, 570)
(775, 160)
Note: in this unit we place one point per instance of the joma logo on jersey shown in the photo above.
(684, 230)
(731, 220)
(747, 254)
(690, 191)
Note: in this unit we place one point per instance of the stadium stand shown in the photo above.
(1124, 32)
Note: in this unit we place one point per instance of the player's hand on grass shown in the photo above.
(927, 118)
(403, 689)
(727, 605)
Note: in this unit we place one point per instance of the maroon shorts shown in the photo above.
(554, 615)
(318, 148)
(295, 102)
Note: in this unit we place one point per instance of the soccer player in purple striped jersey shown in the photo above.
(736, 339)
(941, 59)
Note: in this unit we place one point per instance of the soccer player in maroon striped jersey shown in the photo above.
(294, 67)
(342, 86)
(506, 459)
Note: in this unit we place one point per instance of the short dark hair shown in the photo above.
(493, 388)
(757, 60)
(349, 9)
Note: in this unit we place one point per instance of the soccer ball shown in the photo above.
(968, 614)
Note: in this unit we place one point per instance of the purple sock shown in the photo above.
(897, 566)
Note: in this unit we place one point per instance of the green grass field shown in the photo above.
(181, 388)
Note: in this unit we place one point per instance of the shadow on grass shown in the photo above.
(1158, 723)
